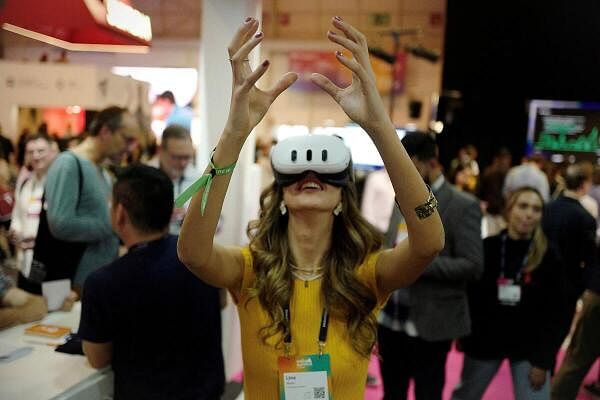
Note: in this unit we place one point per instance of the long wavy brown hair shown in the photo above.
(539, 241)
(345, 296)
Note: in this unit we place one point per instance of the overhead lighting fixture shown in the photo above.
(79, 25)
(114, 48)
(128, 19)
(422, 52)
(416, 50)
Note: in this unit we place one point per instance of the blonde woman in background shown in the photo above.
(513, 307)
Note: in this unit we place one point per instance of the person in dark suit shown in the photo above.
(568, 224)
(418, 324)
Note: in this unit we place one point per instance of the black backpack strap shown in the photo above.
(79, 173)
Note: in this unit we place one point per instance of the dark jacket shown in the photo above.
(437, 301)
(528, 330)
(573, 230)
(592, 278)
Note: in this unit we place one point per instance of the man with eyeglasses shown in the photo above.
(175, 157)
(78, 188)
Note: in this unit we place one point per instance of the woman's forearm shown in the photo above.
(215, 264)
(195, 242)
(427, 234)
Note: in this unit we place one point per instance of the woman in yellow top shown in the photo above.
(310, 283)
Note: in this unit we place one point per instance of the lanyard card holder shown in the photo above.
(304, 377)
(509, 292)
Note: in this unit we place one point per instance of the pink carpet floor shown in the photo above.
(500, 388)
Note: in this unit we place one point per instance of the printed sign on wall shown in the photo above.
(304, 63)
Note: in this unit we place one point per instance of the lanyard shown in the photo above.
(503, 258)
(287, 340)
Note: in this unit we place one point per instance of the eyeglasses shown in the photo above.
(180, 157)
(127, 137)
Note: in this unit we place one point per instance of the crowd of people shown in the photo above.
(493, 263)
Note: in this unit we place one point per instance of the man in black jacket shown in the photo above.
(573, 229)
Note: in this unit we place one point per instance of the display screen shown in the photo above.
(564, 130)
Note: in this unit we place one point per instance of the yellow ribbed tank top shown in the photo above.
(348, 368)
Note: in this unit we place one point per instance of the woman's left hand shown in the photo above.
(361, 100)
(537, 377)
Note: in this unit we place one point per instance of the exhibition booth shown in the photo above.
(74, 88)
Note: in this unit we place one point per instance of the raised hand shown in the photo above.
(248, 103)
(361, 100)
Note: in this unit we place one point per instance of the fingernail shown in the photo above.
(338, 53)
(258, 35)
(338, 18)
(248, 19)
(265, 63)
(331, 33)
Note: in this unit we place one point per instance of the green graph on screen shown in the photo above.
(559, 140)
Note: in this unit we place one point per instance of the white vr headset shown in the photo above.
(326, 156)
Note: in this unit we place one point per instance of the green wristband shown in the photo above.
(205, 181)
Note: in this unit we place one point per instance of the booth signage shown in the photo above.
(564, 130)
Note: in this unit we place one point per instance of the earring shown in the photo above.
(338, 209)
(282, 208)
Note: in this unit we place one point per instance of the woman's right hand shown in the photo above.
(249, 104)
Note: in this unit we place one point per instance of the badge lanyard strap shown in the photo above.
(503, 259)
(323, 327)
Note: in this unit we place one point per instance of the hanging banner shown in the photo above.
(383, 74)
(400, 72)
(304, 63)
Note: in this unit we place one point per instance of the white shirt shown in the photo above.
(378, 199)
(26, 218)
(590, 205)
(190, 175)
